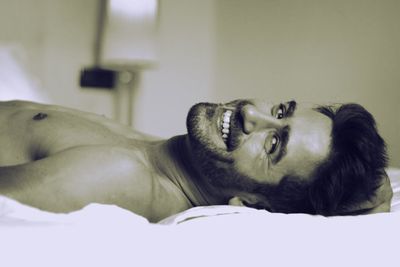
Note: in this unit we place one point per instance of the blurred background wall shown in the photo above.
(308, 50)
(316, 51)
(52, 40)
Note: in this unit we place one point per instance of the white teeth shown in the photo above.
(225, 124)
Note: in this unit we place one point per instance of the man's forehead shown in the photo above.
(309, 143)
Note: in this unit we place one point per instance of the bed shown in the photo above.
(106, 235)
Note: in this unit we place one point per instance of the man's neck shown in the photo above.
(173, 160)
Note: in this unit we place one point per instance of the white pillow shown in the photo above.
(394, 175)
(212, 211)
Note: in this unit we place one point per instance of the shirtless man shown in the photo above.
(285, 157)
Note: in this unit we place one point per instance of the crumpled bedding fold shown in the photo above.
(106, 235)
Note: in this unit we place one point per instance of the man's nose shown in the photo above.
(255, 119)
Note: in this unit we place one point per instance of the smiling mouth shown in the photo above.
(226, 121)
(230, 125)
(226, 125)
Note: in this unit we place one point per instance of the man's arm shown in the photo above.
(75, 177)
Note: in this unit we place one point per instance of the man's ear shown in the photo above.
(236, 201)
(249, 200)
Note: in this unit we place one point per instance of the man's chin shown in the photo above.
(204, 137)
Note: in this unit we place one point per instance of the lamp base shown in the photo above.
(96, 77)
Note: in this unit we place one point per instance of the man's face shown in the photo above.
(242, 143)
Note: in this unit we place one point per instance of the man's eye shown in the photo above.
(273, 144)
(280, 113)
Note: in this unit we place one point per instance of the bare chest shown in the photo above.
(29, 135)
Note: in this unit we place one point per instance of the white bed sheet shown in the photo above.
(104, 235)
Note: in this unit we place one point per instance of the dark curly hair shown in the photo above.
(350, 175)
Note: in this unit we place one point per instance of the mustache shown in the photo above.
(238, 103)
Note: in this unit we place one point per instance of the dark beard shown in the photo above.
(198, 126)
(200, 120)
(212, 162)
(225, 177)
(216, 166)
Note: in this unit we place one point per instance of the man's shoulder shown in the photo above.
(108, 168)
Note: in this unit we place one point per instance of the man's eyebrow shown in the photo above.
(284, 134)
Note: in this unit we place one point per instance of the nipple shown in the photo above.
(40, 116)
